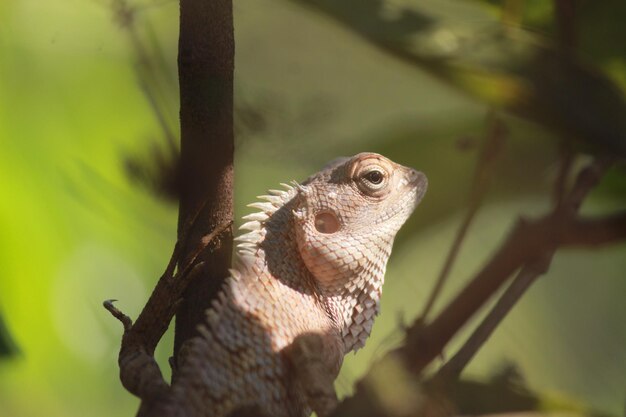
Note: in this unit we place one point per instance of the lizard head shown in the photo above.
(336, 228)
(347, 216)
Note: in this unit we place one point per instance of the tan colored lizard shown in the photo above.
(305, 292)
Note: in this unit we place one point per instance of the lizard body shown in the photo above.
(312, 264)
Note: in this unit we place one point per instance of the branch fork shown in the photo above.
(139, 372)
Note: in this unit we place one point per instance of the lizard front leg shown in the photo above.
(315, 360)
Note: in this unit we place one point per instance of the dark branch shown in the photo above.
(566, 205)
(529, 242)
(525, 277)
(529, 246)
(126, 321)
(205, 70)
(139, 372)
(565, 167)
(204, 244)
(565, 17)
(596, 232)
(485, 167)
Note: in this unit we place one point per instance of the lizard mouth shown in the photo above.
(415, 180)
(416, 183)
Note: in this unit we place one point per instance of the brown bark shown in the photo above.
(204, 245)
(205, 70)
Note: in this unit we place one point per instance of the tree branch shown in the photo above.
(485, 167)
(525, 277)
(205, 69)
(595, 232)
(565, 18)
(529, 246)
(139, 372)
(529, 242)
(204, 244)
(586, 232)
(566, 205)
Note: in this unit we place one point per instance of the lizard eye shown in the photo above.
(372, 180)
(374, 176)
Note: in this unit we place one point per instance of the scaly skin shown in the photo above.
(305, 292)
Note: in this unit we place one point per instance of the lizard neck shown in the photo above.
(355, 308)
(272, 248)
(351, 302)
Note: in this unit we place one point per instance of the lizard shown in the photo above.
(303, 293)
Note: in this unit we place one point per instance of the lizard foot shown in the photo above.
(309, 357)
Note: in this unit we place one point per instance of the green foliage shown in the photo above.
(506, 66)
(7, 345)
(75, 229)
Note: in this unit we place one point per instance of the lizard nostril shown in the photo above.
(415, 176)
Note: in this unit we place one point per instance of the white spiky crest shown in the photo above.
(248, 243)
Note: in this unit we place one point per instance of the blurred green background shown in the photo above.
(88, 101)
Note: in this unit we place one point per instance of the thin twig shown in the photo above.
(595, 232)
(525, 277)
(126, 321)
(586, 180)
(565, 166)
(162, 304)
(147, 75)
(565, 18)
(485, 168)
(529, 241)
(159, 114)
(139, 372)
(566, 205)
(204, 243)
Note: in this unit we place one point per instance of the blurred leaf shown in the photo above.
(511, 68)
(601, 30)
(504, 392)
(157, 170)
(388, 389)
(7, 345)
(507, 392)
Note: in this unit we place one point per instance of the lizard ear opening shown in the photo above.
(326, 222)
(322, 248)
